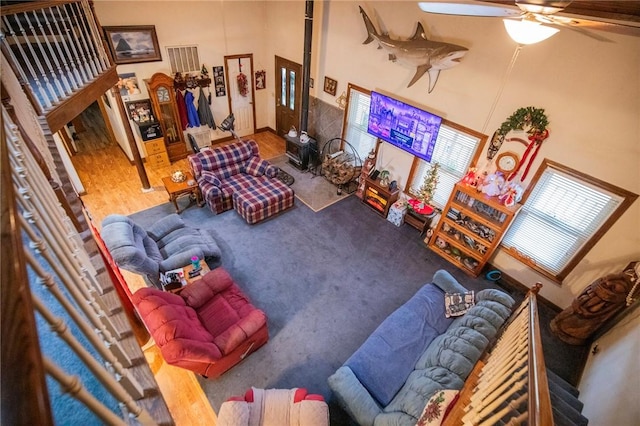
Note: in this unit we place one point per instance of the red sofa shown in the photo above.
(208, 327)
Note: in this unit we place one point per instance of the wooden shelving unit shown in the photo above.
(471, 228)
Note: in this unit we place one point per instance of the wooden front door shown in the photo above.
(288, 95)
(241, 94)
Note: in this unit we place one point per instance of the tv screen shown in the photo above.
(403, 125)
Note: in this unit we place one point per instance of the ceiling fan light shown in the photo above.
(527, 32)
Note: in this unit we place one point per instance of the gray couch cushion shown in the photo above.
(408, 404)
(386, 358)
(447, 282)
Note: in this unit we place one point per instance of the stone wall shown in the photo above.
(325, 121)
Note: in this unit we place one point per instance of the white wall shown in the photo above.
(217, 28)
(610, 385)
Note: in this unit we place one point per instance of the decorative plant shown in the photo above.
(531, 119)
(425, 193)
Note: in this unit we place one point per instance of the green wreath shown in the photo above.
(532, 117)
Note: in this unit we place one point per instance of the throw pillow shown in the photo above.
(457, 304)
(256, 166)
(211, 178)
(437, 408)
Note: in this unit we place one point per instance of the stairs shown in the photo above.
(567, 408)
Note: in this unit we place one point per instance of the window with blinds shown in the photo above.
(454, 151)
(560, 216)
(356, 126)
(184, 59)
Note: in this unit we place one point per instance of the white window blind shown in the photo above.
(454, 151)
(356, 127)
(560, 215)
(184, 59)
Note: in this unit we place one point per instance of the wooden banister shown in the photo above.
(25, 399)
(540, 412)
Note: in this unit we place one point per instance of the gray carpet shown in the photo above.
(326, 280)
(314, 191)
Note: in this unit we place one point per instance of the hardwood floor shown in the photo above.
(112, 185)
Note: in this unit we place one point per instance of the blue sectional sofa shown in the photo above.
(417, 351)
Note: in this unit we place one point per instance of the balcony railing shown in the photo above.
(56, 50)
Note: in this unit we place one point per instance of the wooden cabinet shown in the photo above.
(163, 98)
(378, 197)
(419, 221)
(471, 228)
(156, 153)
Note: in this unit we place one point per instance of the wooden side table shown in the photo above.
(419, 221)
(186, 280)
(179, 189)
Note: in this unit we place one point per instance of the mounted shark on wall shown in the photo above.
(426, 55)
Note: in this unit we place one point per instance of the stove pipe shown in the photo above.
(306, 64)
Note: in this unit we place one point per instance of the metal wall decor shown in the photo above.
(261, 79)
(427, 56)
(330, 85)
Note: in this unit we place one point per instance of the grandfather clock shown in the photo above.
(163, 97)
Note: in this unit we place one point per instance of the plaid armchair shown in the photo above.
(222, 171)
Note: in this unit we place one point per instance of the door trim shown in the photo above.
(253, 92)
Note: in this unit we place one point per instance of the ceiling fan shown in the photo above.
(527, 21)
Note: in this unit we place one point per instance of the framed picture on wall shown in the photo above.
(140, 111)
(218, 81)
(133, 43)
(330, 85)
(261, 79)
(128, 84)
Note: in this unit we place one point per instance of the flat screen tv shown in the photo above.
(403, 125)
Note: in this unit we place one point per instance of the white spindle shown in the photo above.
(71, 36)
(83, 34)
(34, 59)
(73, 386)
(122, 389)
(43, 98)
(61, 82)
(74, 74)
(97, 36)
(44, 54)
(492, 420)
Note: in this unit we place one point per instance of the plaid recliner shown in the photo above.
(238, 168)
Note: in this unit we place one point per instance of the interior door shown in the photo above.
(240, 68)
(288, 95)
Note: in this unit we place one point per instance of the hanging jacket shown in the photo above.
(192, 113)
(182, 110)
(204, 111)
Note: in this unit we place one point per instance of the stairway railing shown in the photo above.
(47, 269)
(510, 384)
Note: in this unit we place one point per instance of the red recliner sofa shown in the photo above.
(208, 327)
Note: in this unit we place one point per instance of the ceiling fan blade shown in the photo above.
(616, 27)
(571, 24)
(544, 7)
(468, 8)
